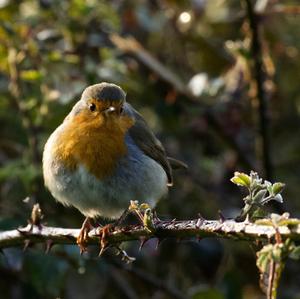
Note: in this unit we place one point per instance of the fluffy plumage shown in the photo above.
(103, 155)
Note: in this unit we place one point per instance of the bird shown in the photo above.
(103, 156)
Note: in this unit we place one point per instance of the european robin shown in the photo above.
(104, 155)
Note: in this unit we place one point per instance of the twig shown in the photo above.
(131, 46)
(283, 9)
(152, 280)
(271, 280)
(259, 76)
(229, 229)
(123, 284)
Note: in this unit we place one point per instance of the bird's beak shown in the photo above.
(109, 110)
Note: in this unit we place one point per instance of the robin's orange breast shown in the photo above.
(97, 143)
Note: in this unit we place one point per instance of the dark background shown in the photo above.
(191, 76)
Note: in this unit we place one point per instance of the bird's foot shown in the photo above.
(83, 234)
(144, 214)
(103, 234)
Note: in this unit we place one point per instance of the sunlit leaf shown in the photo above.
(31, 75)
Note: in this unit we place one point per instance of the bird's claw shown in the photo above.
(144, 213)
(103, 234)
(83, 235)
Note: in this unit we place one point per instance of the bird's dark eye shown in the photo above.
(92, 107)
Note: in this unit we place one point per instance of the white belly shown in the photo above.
(137, 177)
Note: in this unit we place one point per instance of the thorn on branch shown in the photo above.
(143, 241)
(200, 220)
(25, 231)
(159, 241)
(103, 248)
(155, 216)
(49, 245)
(200, 216)
(247, 219)
(27, 243)
(221, 216)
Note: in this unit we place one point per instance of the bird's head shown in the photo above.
(103, 104)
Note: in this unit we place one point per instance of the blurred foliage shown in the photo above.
(50, 50)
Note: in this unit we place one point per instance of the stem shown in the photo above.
(270, 293)
(278, 271)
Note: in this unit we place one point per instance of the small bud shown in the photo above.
(144, 206)
(36, 215)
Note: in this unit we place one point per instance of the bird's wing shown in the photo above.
(148, 143)
(176, 164)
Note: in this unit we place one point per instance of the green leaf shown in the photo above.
(277, 188)
(295, 253)
(258, 214)
(241, 179)
(270, 189)
(208, 294)
(260, 195)
(277, 253)
(31, 75)
(263, 258)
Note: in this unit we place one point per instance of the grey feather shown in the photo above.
(148, 143)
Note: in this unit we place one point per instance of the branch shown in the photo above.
(197, 228)
(259, 77)
(131, 46)
(283, 9)
(150, 279)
